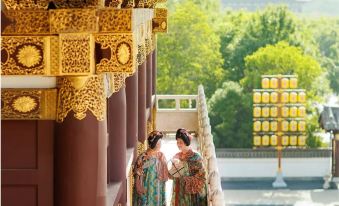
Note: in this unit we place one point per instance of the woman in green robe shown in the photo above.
(189, 185)
(151, 174)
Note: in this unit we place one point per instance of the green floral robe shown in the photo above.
(191, 188)
(151, 174)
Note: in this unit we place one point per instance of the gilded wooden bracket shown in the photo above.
(28, 104)
(24, 55)
(115, 53)
(76, 54)
(160, 20)
(68, 54)
(43, 4)
(25, 22)
(90, 20)
(116, 20)
(81, 94)
(73, 20)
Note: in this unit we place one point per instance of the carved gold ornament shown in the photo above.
(117, 52)
(24, 104)
(148, 46)
(77, 54)
(73, 20)
(81, 94)
(26, 22)
(43, 4)
(115, 20)
(159, 25)
(28, 104)
(164, 25)
(123, 53)
(25, 55)
(141, 147)
(29, 56)
(160, 13)
(141, 56)
(115, 82)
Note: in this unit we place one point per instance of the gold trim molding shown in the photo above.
(73, 20)
(81, 94)
(28, 104)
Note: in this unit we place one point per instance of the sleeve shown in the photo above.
(162, 168)
(194, 183)
(139, 175)
(137, 170)
(169, 174)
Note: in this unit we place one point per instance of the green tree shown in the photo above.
(189, 53)
(270, 26)
(231, 117)
(326, 32)
(281, 58)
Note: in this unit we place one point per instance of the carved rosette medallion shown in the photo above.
(28, 104)
(23, 56)
(115, 53)
(81, 94)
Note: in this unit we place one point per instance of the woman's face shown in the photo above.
(158, 145)
(181, 145)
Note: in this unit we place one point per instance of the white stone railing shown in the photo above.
(169, 119)
(177, 98)
(215, 194)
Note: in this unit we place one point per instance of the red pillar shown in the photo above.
(116, 116)
(149, 81)
(154, 71)
(80, 178)
(142, 102)
(132, 110)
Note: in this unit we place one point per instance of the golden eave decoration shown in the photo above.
(64, 41)
(80, 95)
(28, 104)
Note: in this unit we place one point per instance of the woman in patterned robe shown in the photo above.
(150, 173)
(189, 189)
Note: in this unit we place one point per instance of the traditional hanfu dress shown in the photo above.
(151, 174)
(190, 189)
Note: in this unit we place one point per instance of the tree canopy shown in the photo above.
(189, 53)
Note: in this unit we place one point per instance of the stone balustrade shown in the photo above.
(207, 148)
